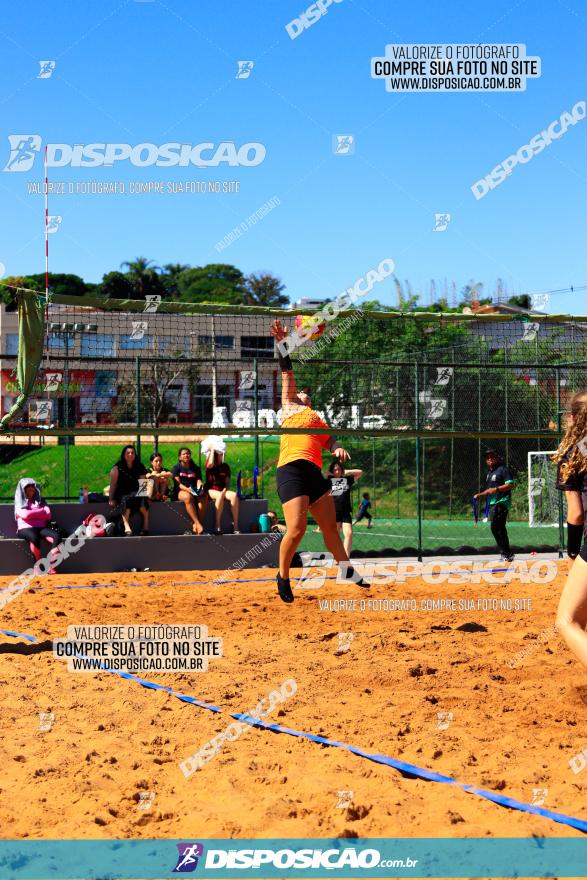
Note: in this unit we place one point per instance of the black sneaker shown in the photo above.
(352, 576)
(509, 558)
(284, 589)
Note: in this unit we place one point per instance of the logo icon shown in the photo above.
(537, 484)
(47, 68)
(444, 720)
(344, 643)
(22, 151)
(40, 410)
(443, 375)
(146, 799)
(245, 68)
(314, 569)
(530, 331)
(247, 380)
(54, 222)
(539, 795)
(578, 762)
(345, 798)
(343, 144)
(436, 409)
(441, 222)
(139, 328)
(539, 301)
(53, 381)
(339, 486)
(152, 302)
(46, 720)
(187, 860)
(143, 490)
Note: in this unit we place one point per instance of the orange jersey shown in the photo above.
(307, 446)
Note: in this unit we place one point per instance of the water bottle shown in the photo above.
(81, 495)
(264, 522)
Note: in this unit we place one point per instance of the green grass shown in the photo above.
(395, 534)
(90, 466)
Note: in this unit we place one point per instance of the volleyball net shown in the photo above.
(417, 396)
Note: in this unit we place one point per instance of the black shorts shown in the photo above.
(344, 516)
(299, 478)
(132, 502)
(573, 484)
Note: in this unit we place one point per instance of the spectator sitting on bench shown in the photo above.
(218, 481)
(275, 525)
(158, 479)
(33, 519)
(124, 487)
(189, 488)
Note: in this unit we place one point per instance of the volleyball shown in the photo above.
(308, 326)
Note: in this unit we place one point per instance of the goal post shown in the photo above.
(544, 498)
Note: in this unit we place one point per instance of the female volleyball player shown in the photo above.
(571, 475)
(300, 484)
(342, 481)
(571, 459)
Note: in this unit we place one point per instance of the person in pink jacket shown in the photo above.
(33, 518)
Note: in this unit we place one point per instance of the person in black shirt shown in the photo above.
(127, 490)
(188, 487)
(342, 482)
(571, 472)
(499, 483)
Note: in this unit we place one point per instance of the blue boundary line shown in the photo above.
(329, 577)
(407, 770)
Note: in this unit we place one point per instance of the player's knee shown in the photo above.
(296, 529)
(565, 626)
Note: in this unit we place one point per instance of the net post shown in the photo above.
(561, 525)
(138, 404)
(373, 474)
(397, 452)
(418, 462)
(66, 439)
(256, 408)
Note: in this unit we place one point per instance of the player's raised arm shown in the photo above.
(288, 381)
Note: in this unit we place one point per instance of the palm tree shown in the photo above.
(141, 273)
(471, 292)
(171, 272)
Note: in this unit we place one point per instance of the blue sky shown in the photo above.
(158, 72)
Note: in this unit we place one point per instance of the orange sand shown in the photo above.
(513, 730)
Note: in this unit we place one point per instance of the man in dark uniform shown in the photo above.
(499, 483)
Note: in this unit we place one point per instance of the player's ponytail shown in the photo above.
(571, 452)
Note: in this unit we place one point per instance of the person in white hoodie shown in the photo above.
(33, 518)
